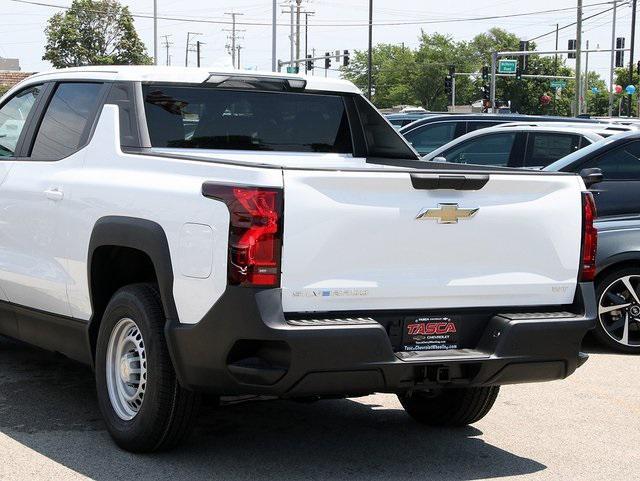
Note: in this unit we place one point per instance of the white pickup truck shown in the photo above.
(234, 233)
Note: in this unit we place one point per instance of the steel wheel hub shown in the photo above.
(126, 369)
(619, 310)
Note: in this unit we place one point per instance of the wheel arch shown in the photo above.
(125, 250)
(617, 262)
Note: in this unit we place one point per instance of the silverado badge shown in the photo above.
(447, 214)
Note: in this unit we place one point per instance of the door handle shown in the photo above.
(54, 194)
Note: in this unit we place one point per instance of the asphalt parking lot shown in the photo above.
(586, 427)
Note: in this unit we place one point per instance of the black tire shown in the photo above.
(600, 332)
(450, 407)
(167, 411)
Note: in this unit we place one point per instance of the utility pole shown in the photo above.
(633, 42)
(306, 33)
(578, 58)
(298, 6)
(155, 32)
(313, 55)
(274, 35)
(166, 45)
(586, 80)
(234, 37)
(613, 57)
(291, 37)
(239, 47)
(198, 44)
(188, 47)
(555, 70)
(370, 54)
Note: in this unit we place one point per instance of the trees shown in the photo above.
(93, 32)
(392, 76)
(405, 76)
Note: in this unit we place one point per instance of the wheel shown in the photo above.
(143, 405)
(450, 407)
(618, 323)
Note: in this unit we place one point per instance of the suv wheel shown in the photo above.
(450, 407)
(143, 405)
(618, 323)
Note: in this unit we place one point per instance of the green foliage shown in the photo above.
(392, 74)
(3, 89)
(94, 32)
(405, 76)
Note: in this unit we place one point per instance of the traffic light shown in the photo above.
(327, 60)
(518, 73)
(448, 84)
(486, 92)
(485, 73)
(309, 63)
(620, 41)
(345, 59)
(452, 70)
(523, 59)
(572, 46)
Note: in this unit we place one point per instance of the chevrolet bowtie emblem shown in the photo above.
(447, 214)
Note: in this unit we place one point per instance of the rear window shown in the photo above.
(209, 118)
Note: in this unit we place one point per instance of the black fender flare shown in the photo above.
(143, 235)
(140, 234)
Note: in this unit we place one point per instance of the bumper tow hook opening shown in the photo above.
(442, 375)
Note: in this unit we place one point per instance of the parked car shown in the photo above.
(401, 119)
(515, 145)
(434, 131)
(612, 170)
(604, 129)
(276, 248)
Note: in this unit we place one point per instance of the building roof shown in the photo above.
(9, 78)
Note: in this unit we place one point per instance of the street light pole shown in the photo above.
(274, 18)
(155, 32)
(613, 57)
(633, 41)
(370, 56)
(578, 99)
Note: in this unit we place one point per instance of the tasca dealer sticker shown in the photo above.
(430, 334)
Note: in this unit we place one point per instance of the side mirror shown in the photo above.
(591, 176)
(439, 159)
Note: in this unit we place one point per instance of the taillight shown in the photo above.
(589, 238)
(255, 232)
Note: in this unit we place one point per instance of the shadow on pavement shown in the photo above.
(48, 404)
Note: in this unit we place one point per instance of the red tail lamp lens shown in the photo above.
(255, 233)
(589, 238)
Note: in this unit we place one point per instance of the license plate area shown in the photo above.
(430, 333)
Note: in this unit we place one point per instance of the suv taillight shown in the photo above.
(589, 239)
(255, 232)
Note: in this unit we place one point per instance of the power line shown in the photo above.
(381, 24)
(233, 37)
(167, 44)
(552, 32)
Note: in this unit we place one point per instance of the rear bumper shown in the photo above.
(244, 345)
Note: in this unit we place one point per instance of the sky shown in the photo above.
(331, 28)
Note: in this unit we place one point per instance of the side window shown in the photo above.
(13, 117)
(492, 149)
(432, 136)
(545, 148)
(66, 121)
(622, 163)
(471, 126)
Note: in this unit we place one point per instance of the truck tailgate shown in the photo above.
(353, 241)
